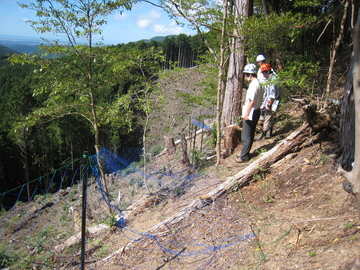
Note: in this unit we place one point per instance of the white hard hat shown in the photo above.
(260, 57)
(250, 68)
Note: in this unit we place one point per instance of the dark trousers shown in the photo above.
(247, 134)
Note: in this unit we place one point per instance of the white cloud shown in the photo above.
(154, 14)
(153, 21)
(146, 20)
(170, 29)
(144, 23)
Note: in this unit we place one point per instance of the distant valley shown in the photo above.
(19, 44)
(30, 45)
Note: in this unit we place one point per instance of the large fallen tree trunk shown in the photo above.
(317, 121)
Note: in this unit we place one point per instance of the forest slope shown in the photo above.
(293, 215)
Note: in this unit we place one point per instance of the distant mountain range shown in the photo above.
(19, 44)
(11, 45)
(159, 38)
(6, 50)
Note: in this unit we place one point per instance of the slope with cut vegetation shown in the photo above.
(292, 214)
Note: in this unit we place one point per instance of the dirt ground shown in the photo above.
(294, 215)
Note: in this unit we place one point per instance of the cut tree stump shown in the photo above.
(232, 138)
(185, 158)
(170, 145)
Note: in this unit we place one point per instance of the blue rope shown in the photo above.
(203, 126)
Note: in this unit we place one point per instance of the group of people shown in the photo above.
(262, 97)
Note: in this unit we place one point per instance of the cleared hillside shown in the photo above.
(292, 215)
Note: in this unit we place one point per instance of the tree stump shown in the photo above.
(185, 158)
(170, 145)
(232, 138)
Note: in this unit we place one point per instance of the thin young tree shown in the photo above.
(221, 84)
(335, 49)
(70, 83)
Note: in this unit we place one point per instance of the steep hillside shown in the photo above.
(177, 111)
(292, 215)
(6, 51)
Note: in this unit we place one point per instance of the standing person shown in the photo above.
(260, 59)
(250, 111)
(271, 99)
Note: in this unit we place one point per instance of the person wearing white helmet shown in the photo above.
(250, 111)
(260, 59)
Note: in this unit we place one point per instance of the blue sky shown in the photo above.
(144, 21)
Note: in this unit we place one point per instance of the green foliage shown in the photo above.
(310, 3)
(260, 151)
(269, 194)
(13, 221)
(213, 138)
(64, 219)
(128, 170)
(196, 156)
(37, 242)
(13, 258)
(275, 32)
(323, 159)
(281, 38)
(103, 251)
(111, 221)
(299, 78)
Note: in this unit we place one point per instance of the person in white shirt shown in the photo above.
(250, 111)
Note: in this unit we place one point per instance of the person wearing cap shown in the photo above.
(260, 59)
(271, 99)
(250, 111)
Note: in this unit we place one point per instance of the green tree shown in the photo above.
(72, 87)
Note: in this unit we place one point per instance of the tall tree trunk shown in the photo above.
(221, 85)
(334, 51)
(355, 173)
(354, 176)
(347, 123)
(265, 7)
(145, 149)
(231, 110)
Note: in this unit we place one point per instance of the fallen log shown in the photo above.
(93, 232)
